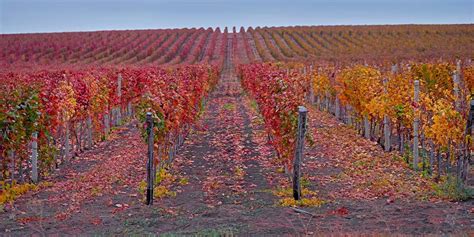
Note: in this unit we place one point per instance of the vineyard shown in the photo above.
(262, 131)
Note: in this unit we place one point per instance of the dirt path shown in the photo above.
(222, 182)
(86, 192)
(224, 164)
(221, 161)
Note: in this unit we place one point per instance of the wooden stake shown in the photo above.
(129, 109)
(311, 89)
(107, 123)
(386, 125)
(416, 123)
(463, 175)
(318, 103)
(34, 157)
(432, 156)
(11, 155)
(456, 90)
(149, 165)
(348, 115)
(119, 94)
(366, 127)
(302, 114)
(78, 146)
(327, 102)
(394, 68)
(66, 142)
(89, 132)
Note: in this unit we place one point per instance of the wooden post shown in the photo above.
(89, 132)
(416, 123)
(402, 141)
(457, 107)
(129, 109)
(11, 156)
(432, 156)
(176, 145)
(113, 117)
(20, 171)
(311, 89)
(302, 114)
(464, 165)
(327, 102)
(149, 164)
(366, 126)
(119, 94)
(34, 157)
(85, 133)
(394, 68)
(170, 154)
(349, 115)
(387, 133)
(386, 125)
(469, 129)
(107, 123)
(77, 146)
(456, 90)
(66, 142)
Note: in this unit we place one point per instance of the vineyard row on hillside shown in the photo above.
(318, 44)
(420, 109)
(64, 112)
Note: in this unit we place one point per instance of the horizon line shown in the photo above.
(230, 27)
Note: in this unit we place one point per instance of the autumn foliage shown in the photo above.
(278, 92)
(374, 93)
(54, 103)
